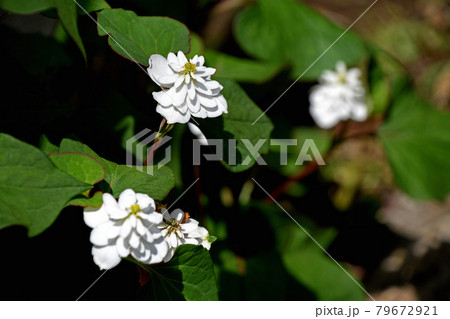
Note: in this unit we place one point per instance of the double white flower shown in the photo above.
(187, 88)
(338, 97)
(178, 229)
(126, 227)
(131, 226)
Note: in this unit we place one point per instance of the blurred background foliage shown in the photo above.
(380, 206)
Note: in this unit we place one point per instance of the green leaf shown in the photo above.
(81, 166)
(95, 201)
(46, 146)
(237, 124)
(280, 32)
(197, 46)
(417, 144)
(318, 272)
(151, 180)
(67, 12)
(189, 275)
(140, 37)
(32, 6)
(242, 70)
(26, 6)
(91, 5)
(305, 260)
(33, 190)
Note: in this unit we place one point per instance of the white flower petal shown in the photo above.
(109, 200)
(98, 234)
(145, 202)
(205, 72)
(359, 112)
(222, 103)
(202, 88)
(172, 115)
(206, 244)
(182, 58)
(207, 101)
(116, 213)
(191, 225)
(113, 231)
(95, 216)
(168, 79)
(140, 228)
(213, 85)
(194, 59)
(179, 81)
(169, 255)
(106, 257)
(201, 113)
(177, 214)
(172, 59)
(158, 67)
(329, 77)
(178, 95)
(201, 60)
(173, 240)
(197, 78)
(183, 108)
(192, 241)
(134, 240)
(341, 67)
(127, 198)
(201, 138)
(165, 214)
(191, 91)
(125, 229)
(194, 104)
(163, 98)
(122, 248)
(151, 219)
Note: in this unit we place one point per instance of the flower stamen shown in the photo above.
(188, 68)
(135, 209)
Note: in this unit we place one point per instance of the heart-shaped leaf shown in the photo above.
(189, 275)
(281, 32)
(33, 191)
(136, 38)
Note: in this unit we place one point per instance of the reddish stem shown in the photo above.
(155, 145)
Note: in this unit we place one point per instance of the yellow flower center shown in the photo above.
(135, 209)
(172, 226)
(342, 78)
(188, 68)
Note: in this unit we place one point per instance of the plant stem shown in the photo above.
(156, 143)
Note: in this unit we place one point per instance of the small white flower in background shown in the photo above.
(178, 229)
(338, 97)
(187, 88)
(201, 138)
(124, 227)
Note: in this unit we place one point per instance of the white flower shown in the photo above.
(187, 88)
(338, 97)
(126, 227)
(178, 229)
(201, 138)
(203, 235)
